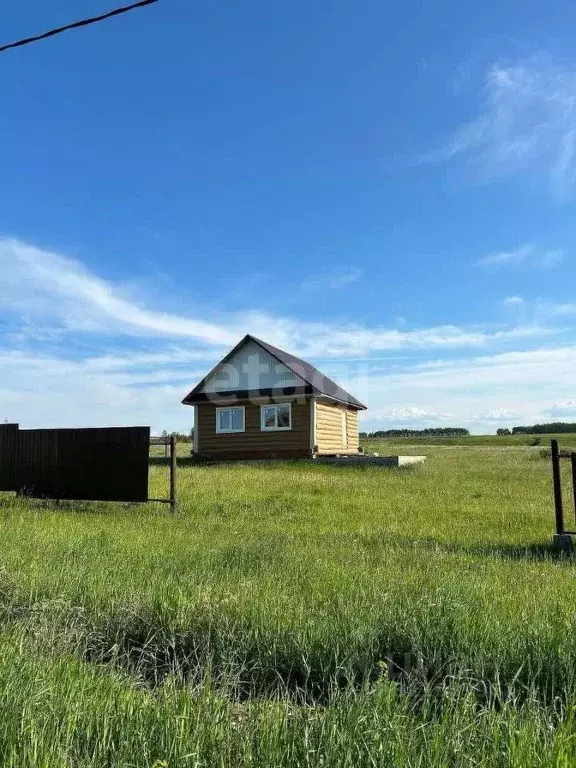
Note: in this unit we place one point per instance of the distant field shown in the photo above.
(568, 440)
(265, 624)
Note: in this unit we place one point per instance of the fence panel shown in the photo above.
(8, 442)
(107, 464)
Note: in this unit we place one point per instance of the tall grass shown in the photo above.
(58, 711)
(294, 614)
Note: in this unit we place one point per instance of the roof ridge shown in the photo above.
(284, 356)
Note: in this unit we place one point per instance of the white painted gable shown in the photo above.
(251, 368)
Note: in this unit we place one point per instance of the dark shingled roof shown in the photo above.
(316, 382)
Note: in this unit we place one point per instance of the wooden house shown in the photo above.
(260, 402)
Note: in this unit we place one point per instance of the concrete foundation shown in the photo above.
(564, 542)
(371, 461)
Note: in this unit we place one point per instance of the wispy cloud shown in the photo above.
(47, 390)
(109, 346)
(415, 415)
(501, 258)
(47, 284)
(498, 415)
(527, 123)
(551, 309)
(550, 258)
(475, 390)
(332, 281)
(566, 408)
(46, 288)
(514, 301)
(528, 254)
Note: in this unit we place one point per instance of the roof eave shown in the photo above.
(247, 394)
(357, 405)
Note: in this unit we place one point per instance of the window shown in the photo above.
(230, 419)
(275, 417)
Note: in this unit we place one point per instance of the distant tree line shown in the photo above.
(181, 437)
(556, 427)
(430, 432)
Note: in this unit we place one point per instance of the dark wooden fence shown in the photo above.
(557, 456)
(107, 464)
(8, 440)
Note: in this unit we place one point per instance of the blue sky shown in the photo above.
(386, 190)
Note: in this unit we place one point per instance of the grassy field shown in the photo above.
(472, 441)
(295, 615)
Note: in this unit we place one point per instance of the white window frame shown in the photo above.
(264, 428)
(230, 408)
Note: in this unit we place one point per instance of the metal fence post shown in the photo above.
(573, 460)
(557, 489)
(173, 466)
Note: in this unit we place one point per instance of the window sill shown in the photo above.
(230, 431)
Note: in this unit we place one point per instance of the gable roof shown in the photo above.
(316, 383)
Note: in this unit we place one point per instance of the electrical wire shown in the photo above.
(76, 24)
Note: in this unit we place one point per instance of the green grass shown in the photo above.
(294, 614)
(568, 440)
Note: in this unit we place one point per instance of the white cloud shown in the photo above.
(527, 124)
(133, 364)
(417, 415)
(46, 284)
(514, 301)
(566, 408)
(550, 258)
(48, 288)
(516, 256)
(174, 357)
(556, 310)
(343, 341)
(333, 281)
(470, 386)
(51, 391)
(43, 391)
(499, 414)
(528, 254)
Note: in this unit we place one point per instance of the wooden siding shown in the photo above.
(251, 367)
(254, 443)
(352, 427)
(329, 428)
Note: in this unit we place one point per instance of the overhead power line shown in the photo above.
(76, 24)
